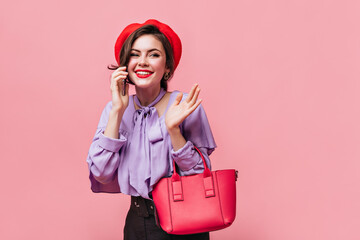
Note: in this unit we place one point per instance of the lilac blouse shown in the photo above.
(143, 153)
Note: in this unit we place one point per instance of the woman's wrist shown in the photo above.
(177, 139)
(112, 127)
(117, 110)
(173, 130)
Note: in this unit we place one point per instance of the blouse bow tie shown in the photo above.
(147, 130)
(144, 112)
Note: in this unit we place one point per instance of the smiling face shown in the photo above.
(147, 63)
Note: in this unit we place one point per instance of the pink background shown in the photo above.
(280, 84)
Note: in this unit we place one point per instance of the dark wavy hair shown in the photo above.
(126, 51)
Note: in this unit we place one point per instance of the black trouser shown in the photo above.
(140, 224)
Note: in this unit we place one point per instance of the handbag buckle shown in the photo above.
(209, 186)
(177, 191)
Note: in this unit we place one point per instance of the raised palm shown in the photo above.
(178, 111)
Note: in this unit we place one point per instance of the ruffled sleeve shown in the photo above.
(103, 157)
(196, 128)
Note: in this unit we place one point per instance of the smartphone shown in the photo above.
(124, 87)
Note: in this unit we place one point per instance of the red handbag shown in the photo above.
(197, 203)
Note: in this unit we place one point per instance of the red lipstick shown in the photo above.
(143, 73)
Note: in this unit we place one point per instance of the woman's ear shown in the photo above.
(167, 69)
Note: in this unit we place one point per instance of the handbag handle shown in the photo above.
(206, 172)
(207, 177)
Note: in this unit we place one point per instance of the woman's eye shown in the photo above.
(133, 54)
(155, 55)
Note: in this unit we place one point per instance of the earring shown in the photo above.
(167, 76)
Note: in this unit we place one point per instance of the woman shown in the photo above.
(139, 136)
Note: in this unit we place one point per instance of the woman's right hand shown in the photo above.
(119, 102)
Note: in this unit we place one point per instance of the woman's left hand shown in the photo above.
(178, 111)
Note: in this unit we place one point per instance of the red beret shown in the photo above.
(165, 29)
